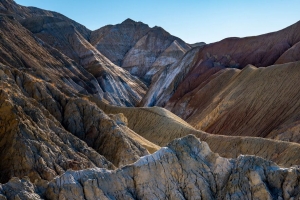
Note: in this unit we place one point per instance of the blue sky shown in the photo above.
(191, 20)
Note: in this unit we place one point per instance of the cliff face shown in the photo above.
(141, 50)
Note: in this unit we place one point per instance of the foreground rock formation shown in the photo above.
(185, 169)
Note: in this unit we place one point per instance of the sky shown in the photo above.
(191, 20)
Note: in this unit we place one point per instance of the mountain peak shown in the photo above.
(128, 21)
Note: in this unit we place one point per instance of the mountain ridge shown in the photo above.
(69, 128)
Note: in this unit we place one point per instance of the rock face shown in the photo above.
(47, 123)
(167, 80)
(185, 169)
(114, 41)
(139, 49)
(33, 142)
(117, 85)
(104, 79)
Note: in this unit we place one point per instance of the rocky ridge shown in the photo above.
(59, 139)
(47, 114)
(185, 169)
(64, 40)
(261, 51)
(139, 49)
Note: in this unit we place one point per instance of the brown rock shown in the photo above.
(160, 126)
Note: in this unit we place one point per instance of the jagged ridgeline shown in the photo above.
(70, 127)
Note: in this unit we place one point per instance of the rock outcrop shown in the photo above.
(116, 85)
(249, 102)
(185, 169)
(139, 49)
(167, 80)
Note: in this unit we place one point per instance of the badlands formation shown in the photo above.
(221, 120)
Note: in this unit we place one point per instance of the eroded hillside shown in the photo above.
(65, 132)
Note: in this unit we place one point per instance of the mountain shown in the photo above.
(215, 90)
(48, 125)
(69, 128)
(56, 32)
(139, 49)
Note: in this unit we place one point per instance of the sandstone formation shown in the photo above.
(185, 169)
(116, 85)
(249, 102)
(166, 81)
(260, 51)
(138, 48)
(37, 115)
(64, 134)
(33, 143)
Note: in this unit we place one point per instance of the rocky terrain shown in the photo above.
(141, 50)
(255, 100)
(69, 128)
(185, 169)
(67, 42)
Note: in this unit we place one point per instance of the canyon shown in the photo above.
(130, 111)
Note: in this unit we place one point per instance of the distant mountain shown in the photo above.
(208, 88)
(139, 49)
